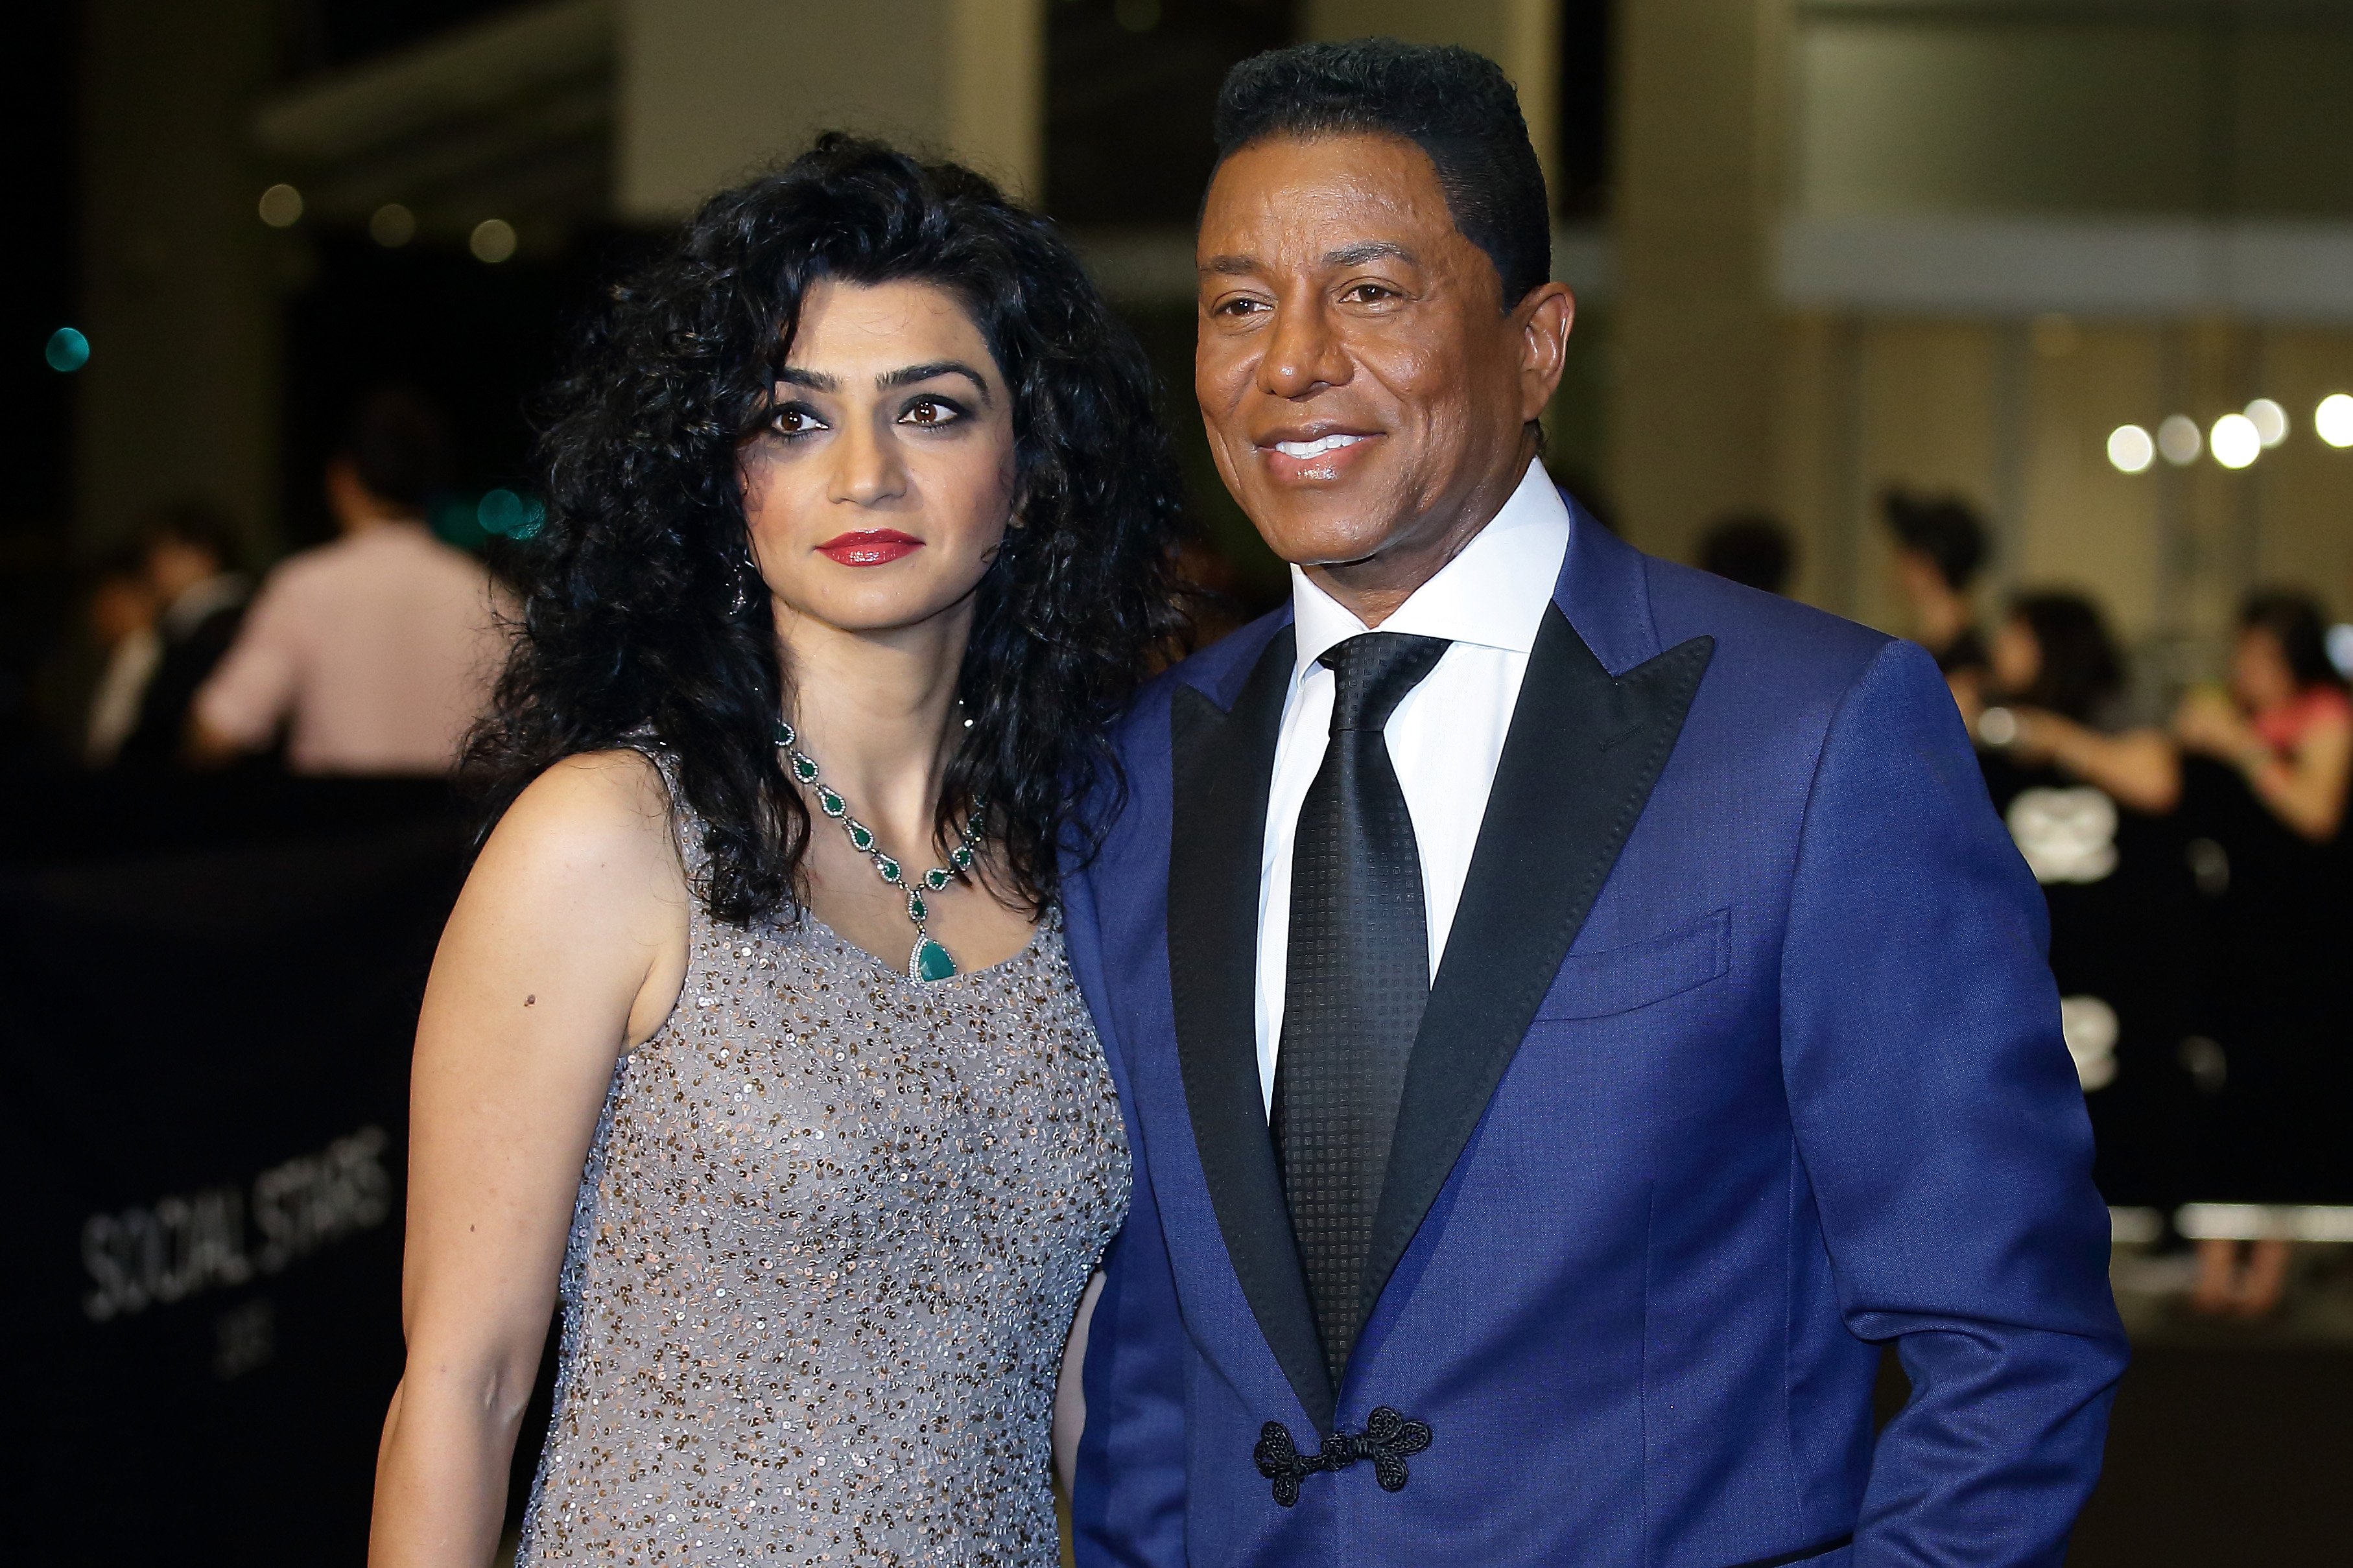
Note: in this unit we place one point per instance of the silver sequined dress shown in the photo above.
(833, 1229)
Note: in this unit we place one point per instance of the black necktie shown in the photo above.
(1356, 977)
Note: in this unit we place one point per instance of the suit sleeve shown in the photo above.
(1941, 1126)
(1127, 1503)
(1127, 1507)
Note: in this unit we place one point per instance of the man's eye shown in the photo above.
(1368, 294)
(1241, 307)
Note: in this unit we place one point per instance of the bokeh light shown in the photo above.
(2333, 420)
(2270, 420)
(2236, 441)
(392, 225)
(2178, 441)
(510, 515)
(281, 207)
(2131, 449)
(493, 240)
(68, 351)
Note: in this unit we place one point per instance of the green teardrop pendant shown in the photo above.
(930, 961)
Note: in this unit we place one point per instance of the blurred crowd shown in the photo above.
(368, 655)
(2190, 845)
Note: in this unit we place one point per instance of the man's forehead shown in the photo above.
(1329, 202)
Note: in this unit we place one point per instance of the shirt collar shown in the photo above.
(1493, 593)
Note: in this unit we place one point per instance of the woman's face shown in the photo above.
(2016, 657)
(882, 488)
(2260, 676)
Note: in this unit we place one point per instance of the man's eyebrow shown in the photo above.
(1365, 251)
(908, 375)
(1355, 255)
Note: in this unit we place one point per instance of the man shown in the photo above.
(373, 653)
(1574, 1012)
(1940, 547)
(190, 558)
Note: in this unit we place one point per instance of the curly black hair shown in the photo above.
(633, 593)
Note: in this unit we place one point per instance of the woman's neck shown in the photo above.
(876, 712)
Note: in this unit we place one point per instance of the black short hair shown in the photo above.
(1945, 529)
(1750, 549)
(191, 521)
(2300, 627)
(398, 445)
(1456, 106)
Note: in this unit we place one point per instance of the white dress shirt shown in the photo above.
(1444, 739)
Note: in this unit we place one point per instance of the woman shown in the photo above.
(2286, 725)
(2284, 734)
(2088, 798)
(2057, 678)
(858, 535)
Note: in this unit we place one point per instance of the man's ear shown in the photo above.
(1542, 321)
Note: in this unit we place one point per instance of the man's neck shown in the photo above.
(1374, 588)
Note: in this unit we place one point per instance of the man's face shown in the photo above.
(1365, 392)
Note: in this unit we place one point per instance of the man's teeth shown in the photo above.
(1316, 447)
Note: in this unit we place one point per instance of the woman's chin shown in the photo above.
(876, 613)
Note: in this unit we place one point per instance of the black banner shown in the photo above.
(216, 990)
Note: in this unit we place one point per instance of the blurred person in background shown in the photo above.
(2087, 797)
(1750, 549)
(2284, 732)
(190, 555)
(372, 654)
(120, 617)
(861, 532)
(1940, 548)
(2285, 723)
(2053, 670)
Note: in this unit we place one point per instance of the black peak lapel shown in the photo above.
(1223, 763)
(1582, 756)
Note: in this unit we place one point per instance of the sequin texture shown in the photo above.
(832, 1231)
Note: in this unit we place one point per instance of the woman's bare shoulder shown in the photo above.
(588, 816)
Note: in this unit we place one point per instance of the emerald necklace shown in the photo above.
(928, 959)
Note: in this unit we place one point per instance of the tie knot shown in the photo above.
(1373, 673)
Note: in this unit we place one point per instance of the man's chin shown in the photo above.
(1328, 529)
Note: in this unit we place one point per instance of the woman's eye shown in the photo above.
(791, 421)
(932, 412)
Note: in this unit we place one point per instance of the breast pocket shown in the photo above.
(1621, 979)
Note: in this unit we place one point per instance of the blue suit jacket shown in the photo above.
(1743, 1060)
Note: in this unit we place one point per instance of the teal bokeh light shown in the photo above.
(69, 351)
(510, 515)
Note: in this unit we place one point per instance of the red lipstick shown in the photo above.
(874, 547)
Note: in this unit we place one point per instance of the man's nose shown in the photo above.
(1302, 353)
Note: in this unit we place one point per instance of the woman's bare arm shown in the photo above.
(2305, 789)
(2139, 767)
(568, 946)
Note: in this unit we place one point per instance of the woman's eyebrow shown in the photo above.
(909, 375)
